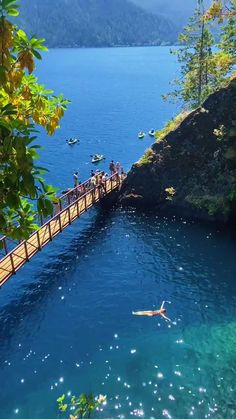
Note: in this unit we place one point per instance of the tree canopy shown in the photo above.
(205, 69)
(24, 105)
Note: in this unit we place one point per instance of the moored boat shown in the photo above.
(151, 132)
(141, 134)
(97, 157)
(72, 141)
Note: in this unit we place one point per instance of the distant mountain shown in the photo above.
(177, 10)
(88, 23)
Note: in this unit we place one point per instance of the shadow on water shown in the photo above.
(29, 298)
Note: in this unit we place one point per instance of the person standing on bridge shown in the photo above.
(76, 179)
(118, 167)
(104, 180)
(101, 186)
(112, 167)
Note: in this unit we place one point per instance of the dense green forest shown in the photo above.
(86, 23)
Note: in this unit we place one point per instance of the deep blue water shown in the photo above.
(66, 322)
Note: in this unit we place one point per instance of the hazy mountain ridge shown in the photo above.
(87, 23)
(177, 10)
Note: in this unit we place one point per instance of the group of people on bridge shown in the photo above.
(98, 178)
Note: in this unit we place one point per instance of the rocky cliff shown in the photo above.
(192, 169)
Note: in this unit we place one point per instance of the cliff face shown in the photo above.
(192, 170)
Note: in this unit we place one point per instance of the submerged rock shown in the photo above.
(192, 170)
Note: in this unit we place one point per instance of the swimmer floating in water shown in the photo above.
(161, 312)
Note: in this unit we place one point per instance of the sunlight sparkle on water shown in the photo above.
(166, 414)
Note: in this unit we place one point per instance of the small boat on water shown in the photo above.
(97, 157)
(141, 134)
(72, 141)
(151, 132)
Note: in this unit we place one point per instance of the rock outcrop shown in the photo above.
(192, 170)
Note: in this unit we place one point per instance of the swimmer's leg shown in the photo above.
(142, 313)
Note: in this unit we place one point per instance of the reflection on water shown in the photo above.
(68, 326)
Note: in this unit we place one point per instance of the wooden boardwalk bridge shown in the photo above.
(70, 206)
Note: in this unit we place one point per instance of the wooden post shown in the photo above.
(60, 204)
(77, 206)
(118, 178)
(77, 192)
(50, 231)
(38, 237)
(26, 252)
(5, 245)
(85, 202)
(69, 215)
(59, 218)
(12, 264)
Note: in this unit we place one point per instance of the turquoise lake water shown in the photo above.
(66, 323)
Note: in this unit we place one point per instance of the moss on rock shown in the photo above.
(196, 157)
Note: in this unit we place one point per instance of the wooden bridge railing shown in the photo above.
(7, 244)
(70, 206)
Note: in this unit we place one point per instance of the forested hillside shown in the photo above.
(177, 10)
(86, 23)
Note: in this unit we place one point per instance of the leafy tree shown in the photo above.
(223, 60)
(225, 12)
(24, 104)
(203, 70)
(194, 57)
(82, 407)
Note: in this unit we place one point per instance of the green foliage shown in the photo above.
(228, 37)
(214, 205)
(203, 70)
(9, 7)
(220, 132)
(170, 192)
(82, 407)
(170, 126)
(147, 158)
(23, 105)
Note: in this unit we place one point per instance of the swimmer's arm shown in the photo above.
(163, 302)
(165, 317)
